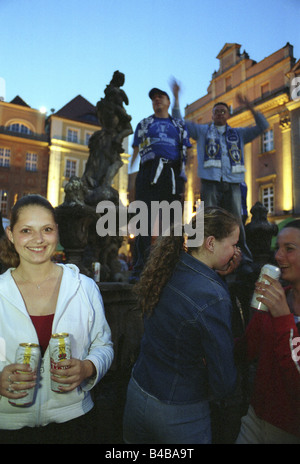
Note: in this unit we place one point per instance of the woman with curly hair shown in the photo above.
(186, 355)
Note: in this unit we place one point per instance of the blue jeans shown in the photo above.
(228, 196)
(148, 420)
(257, 431)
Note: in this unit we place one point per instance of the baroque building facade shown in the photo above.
(23, 152)
(272, 160)
(39, 154)
(70, 129)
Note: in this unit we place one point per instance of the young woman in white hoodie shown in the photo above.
(39, 298)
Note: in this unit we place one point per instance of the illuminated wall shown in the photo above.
(269, 171)
(61, 150)
(287, 181)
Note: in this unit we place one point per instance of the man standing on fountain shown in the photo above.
(162, 143)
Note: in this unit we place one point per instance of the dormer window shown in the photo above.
(18, 127)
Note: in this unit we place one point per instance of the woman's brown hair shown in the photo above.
(166, 251)
(8, 255)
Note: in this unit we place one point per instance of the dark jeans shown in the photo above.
(147, 192)
(228, 196)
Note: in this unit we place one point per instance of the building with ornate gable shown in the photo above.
(70, 129)
(272, 160)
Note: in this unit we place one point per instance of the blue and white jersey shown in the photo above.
(161, 138)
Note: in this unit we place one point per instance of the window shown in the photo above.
(267, 141)
(5, 157)
(3, 202)
(228, 84)
(72, 135)
(71, 166)
(267, 198)
(18, 127)
(265, 89)
(87, 137)
(31, 162)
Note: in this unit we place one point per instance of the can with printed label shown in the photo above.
(272, 271)
(60, 350)
(27, 353)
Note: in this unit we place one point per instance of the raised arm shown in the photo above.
(134, 155)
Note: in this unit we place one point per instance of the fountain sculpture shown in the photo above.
(77, 215)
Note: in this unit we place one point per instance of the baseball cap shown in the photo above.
(155, 91)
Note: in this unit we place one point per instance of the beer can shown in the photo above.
(96, 271)
(60, 350)
(27, 353)
(272, 271)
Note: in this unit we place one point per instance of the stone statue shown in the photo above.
(77, 215)
(259, 233)
(105, 145)
(111, 113)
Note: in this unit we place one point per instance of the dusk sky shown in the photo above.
(53, 51)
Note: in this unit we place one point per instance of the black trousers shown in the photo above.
(147, 192)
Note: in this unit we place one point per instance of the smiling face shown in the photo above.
(34, 235)
(224, 250)
(288, 254)
(220, 115)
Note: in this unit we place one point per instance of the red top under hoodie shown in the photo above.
(276, 395)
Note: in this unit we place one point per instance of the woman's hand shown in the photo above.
(233, 263)
(72, 373)
(273, 296)
(11, 375)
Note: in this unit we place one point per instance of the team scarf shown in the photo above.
(213, 149)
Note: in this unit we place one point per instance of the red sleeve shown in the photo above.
(287, 351)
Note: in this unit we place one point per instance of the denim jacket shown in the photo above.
(186, 352)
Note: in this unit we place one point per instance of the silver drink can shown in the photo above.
(272, 271)
(96, 271)
(27, 353)
(60, 350)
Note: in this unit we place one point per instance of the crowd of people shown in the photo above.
(188, 356)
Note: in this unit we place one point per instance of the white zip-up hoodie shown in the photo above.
(80, 313)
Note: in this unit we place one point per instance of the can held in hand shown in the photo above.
(272, 271)
(27, 353)
(96, 271)
(60, 350)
